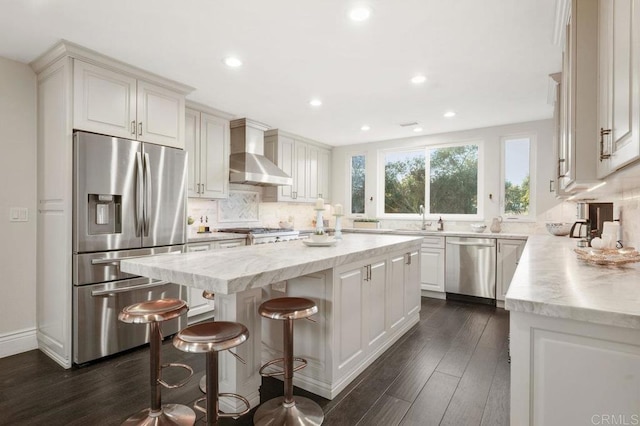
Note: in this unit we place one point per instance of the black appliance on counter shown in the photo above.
(590, 217)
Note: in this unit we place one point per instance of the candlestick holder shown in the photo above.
(319, 223)
(338, 233)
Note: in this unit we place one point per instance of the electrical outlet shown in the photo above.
(18, 214)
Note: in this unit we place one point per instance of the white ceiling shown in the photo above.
(486, 60)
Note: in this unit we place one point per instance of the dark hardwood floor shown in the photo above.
(450, 369)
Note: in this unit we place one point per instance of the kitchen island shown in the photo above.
(575, 338)
(367, 288)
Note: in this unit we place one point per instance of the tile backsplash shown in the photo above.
(244, 209)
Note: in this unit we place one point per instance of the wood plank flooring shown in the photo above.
(450, 369)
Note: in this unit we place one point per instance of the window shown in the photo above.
(452, 187)
(517, 192)
(404, 181)
(453, 180)
(357, 184)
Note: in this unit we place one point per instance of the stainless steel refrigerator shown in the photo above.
(129, 201)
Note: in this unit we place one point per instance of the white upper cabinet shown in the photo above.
(207, 143)
(577, 142)
(618, 81)
(308, 164)
(121, 105)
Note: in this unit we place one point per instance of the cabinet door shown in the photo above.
(198, 305)
(103, 101)
(412, 283)
(324, 172)
(300, 185)
(160, 115)
(214, 157)
(509, 252)
(350, 337)
(192, 146)
(312, 172)
(287, 162)
(432, 269)
(617, 80)
(375, 290)
(395, 293)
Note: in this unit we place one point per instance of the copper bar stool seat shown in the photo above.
(153, 313)
(209, 295)
(211, 338)
(285, 410)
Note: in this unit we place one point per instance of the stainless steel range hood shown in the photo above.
(247, 163)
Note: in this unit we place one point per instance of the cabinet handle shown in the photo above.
(140, 128)
(133, 127)
(560, 174)
(197, 188)
(408, 258)
(603, 132)
(551, 185)
(294, 195)
(369, 268)
(366, 272)
(320, 195)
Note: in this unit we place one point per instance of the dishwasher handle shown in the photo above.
(464, 243)
(114, 291)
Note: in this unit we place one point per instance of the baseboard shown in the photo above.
(433, 294)
(18, 342)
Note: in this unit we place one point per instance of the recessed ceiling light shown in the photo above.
(449, 114)
(232, 62)
(417, 129)
(315, 102)
(360, 13)
(418, 79)
(365, 128)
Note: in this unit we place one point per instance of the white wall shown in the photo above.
(18, 189)
(491, 137)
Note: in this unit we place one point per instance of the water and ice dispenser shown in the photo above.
(105, 214)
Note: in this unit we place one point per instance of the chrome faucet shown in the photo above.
(424, 218)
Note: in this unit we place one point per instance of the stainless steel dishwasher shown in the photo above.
(471, 267)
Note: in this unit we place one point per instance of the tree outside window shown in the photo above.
(357, 184)
(517, 177)
(452, 186)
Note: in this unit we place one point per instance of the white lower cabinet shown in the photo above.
(509, 252)
(199, 307)
(363, 308)
(432, 264)
(568, 372)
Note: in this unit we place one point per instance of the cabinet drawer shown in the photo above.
(433, 242)
(231, 243)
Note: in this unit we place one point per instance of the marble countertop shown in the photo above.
(215, 236)
(429, 233)
(550, 280)
(232, 271)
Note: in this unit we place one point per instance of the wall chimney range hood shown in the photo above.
(247, 163)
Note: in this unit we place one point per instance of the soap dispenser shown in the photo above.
(440, 224)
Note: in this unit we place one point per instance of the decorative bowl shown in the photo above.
(559, 229)
(285, 225)
(478, 227)
(319, 238)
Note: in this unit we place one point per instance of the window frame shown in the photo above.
(431, 216)
(531, 216)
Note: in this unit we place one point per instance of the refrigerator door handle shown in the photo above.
(147, 190)
(139, 194)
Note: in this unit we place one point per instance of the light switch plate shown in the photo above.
(18, 214)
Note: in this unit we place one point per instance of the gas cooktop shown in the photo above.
(255, 230)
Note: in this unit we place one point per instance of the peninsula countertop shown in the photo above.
(232, 271)
(550, 280)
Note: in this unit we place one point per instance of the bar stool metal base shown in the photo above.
(303, 412)
(171, 414)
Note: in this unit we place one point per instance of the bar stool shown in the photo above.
(153, 312)
(285, 410)
(211, 338)
(209, 296)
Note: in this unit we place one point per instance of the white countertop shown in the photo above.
(232, 271)
(431, 233)
(550, 280)
(215, 236)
